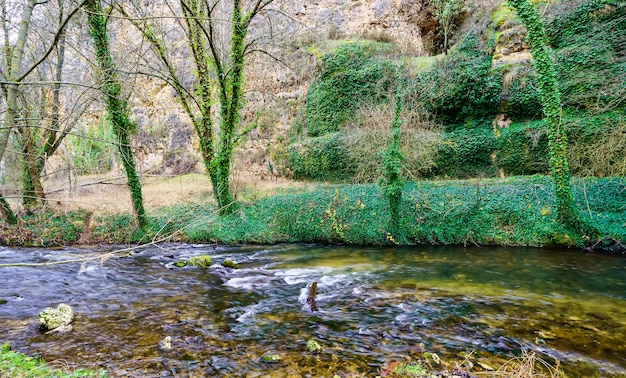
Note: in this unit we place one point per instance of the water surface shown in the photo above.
(375, 306)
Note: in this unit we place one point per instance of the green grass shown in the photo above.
(517, 211)
(18, 365)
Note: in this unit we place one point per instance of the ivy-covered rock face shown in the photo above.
(52, 318)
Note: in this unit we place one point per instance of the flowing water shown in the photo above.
(375, 306)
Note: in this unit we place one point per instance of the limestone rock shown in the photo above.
(53, 318)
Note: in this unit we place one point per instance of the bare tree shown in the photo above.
(14, 71)
(217, 34)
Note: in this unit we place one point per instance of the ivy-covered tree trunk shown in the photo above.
(550, 96)
(393, 183)
(117, 107)
(219, 79)
(230, 102)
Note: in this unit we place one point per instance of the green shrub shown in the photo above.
(462, 86)
(92, 149)
(324, 158)
(522, 149)
(597, 144)
(520, 96)
(369, 131)
(350, 76)
(590, 52)
(44, 228)
(466, 153)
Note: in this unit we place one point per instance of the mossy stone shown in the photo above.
(313, 346)
(52, 318)
(270, 357)
(228, 263)
(202, 261)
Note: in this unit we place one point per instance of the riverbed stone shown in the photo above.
(202, 261)
(313, 346)
(52, 318)
(228, 263)
(270, 357)
(166, 343)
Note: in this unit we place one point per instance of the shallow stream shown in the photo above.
(375, 306)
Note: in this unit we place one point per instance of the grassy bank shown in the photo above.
(14, 364)
(517, 211)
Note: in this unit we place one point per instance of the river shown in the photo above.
(374, 306)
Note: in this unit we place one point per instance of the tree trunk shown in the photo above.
(15, 62)
(117, 107)
(232, 96)
(32, 187)
(550, 96)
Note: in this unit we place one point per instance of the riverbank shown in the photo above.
(15, 364)
(516, 211)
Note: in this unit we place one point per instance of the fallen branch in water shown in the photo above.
(311, 298)
(102, 257)
(120, 252)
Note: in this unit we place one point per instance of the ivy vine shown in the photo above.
(550, 97)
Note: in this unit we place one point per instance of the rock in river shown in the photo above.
(53, 318)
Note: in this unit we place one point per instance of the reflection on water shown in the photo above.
(376, 305)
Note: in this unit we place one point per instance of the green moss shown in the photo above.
(270, 357)
(52, 318)
(229, 263)
(313, 346)
(411, 370)
(202, 261)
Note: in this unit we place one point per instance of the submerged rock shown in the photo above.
(53, 318)
(61, 329)
(313, 346)
(270, 357)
